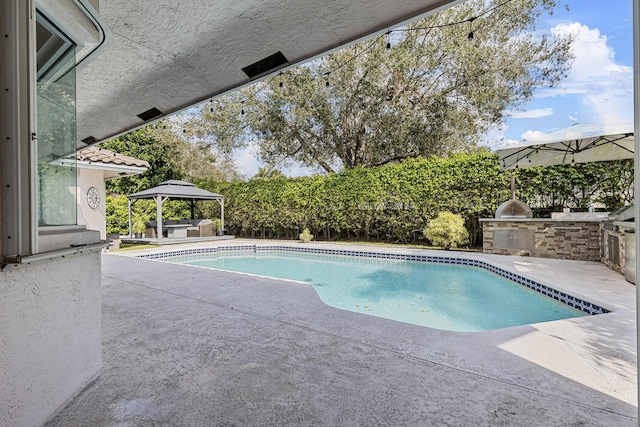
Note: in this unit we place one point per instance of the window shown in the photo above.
(56, 120)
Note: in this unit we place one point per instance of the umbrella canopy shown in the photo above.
(575, 144)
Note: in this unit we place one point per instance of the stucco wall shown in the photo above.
(94, 219)
(50, 336)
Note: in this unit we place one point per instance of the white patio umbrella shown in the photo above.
(575, 144)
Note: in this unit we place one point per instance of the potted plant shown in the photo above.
(138, 227)
(217, 226)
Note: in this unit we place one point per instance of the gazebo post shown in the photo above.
(129, 203)
(159, 200)
(221, 201)
(192, 204)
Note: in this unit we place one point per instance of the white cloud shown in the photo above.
(247, 161)
(248, 164)
(531, 114)
(606, 87)
(496, 139)
(533, 135)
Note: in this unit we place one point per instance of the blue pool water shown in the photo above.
(442, 296)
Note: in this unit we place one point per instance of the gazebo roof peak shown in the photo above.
(178, 182)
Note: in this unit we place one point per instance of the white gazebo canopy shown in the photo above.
(575, 144)
(175, 190)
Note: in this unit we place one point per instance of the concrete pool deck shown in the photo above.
(187, 346)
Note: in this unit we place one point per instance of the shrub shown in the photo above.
(447, 231)
(138, 226)
(306, 236)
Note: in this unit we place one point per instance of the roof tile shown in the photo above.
(95, 154)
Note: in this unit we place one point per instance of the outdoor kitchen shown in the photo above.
(607, 237)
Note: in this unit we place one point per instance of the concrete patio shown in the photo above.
(186, 346)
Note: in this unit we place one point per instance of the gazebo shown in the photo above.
(175, 190)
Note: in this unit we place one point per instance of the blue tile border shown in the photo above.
(562, 297)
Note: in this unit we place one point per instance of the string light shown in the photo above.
(470, 37)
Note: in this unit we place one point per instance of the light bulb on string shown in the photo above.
(470, 36)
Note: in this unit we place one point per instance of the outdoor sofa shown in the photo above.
(198, 227)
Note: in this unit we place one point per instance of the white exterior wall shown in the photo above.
(94, 219)
(50, 335)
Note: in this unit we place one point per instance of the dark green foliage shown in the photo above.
(117, 212)
(390, 203)
(549, 189)
(144, 144)
(395, 202)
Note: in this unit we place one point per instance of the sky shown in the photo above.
(598, 89)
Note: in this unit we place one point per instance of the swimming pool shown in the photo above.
(443, 293)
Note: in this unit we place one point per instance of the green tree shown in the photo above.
(434, 92)
(147, 144)
(172, 154)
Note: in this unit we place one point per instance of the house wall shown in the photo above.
(50, 330)
(50, 311)
(93, 219)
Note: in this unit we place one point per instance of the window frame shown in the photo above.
(22, 240)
